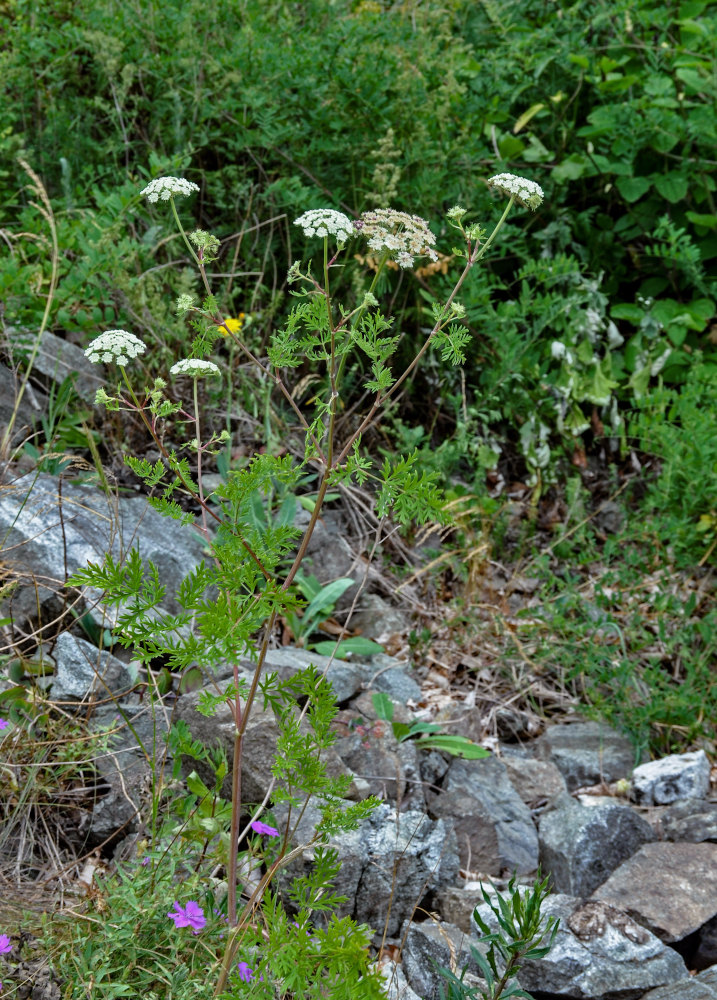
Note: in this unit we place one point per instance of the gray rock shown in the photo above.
(494, 827)
(83, 671)
(706, 954)
(139, 739)
(513, 724)
(679, 776)
(346, 677)
(580, 846)
(700, 987)
(50, 532)
(259, 747)
(693, 820)
(609, 517)
(429, 944)
(397, 987)
(670, 888)
(599, 953)
(390, 769)
(329, 555)
(534, 780)
(389, 675)
(391, 856)
(586, 753)
(32, 405)
(376, 619)
(57, 359)
(434, 767)
(457, 903)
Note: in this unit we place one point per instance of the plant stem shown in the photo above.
(200, 489)
(184, 235)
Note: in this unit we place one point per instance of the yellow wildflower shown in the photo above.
(234, 324)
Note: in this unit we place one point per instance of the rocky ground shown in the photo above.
(630, 846)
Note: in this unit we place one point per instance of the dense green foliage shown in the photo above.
(592, 325)
(278, 107)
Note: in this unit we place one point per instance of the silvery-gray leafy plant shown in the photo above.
(230, 605)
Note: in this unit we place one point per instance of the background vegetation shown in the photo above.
(591, 381)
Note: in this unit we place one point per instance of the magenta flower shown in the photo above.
(4, 723)
(259, 827)
(5, 946)
(191, 915)
(245, 972)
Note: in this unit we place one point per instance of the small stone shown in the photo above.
(534, 780)
(397, 987)
(686, 989)
(457, 903)
(693, 820)
(83, 671)
(679, 776)
(390, 676)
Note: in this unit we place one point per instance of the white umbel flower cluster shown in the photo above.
(326, 222)
(526, 192)
(404, 236)
(194, 367)
(115, 345)
(167, 187)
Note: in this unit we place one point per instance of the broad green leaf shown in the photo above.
(628, 311)
(571, 168)
(383, 705)
(459, 746)
(357, 645)
(510, 148)
(197, 787)
(309, 502)
(673, 187)
(326, 598)
(632, 188)
(705, 221)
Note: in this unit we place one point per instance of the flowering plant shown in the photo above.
(255, 564)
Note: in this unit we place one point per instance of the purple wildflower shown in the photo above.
(146, 861)
(5, 946)
(191, 915)
(245, 972)
(259, 827)
(4, 723)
